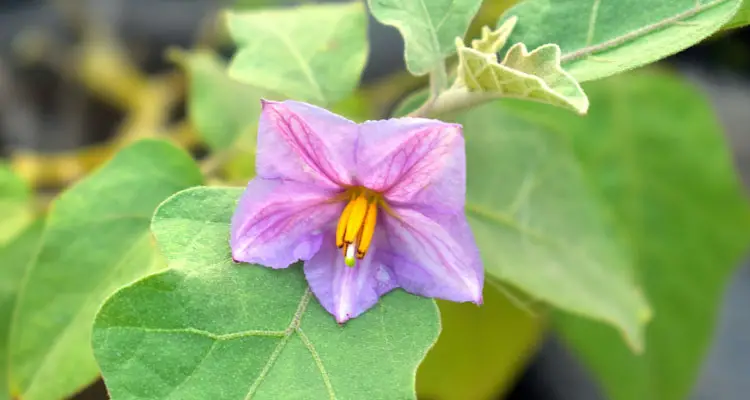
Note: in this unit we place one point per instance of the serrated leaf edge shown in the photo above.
(493, 63)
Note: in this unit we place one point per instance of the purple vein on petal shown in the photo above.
(301, 139)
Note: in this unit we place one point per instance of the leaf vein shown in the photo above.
(201, 332)
(267, 367)
(504, 219)
(592, 22)
(318, 363)
(430, 26)
(293, 326)
(303, 64)
(634, 34)
(445, 17)
(195, 367)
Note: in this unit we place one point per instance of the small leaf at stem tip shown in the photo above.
(492, 41)
(535, 75)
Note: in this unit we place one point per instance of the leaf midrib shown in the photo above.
(294, 327)
(430, 25)
(508, 221)
(300, 59)
(284, 336)
(635, 34)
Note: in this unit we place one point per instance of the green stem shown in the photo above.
(438, 83)
(452, 100)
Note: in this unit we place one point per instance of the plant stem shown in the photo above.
(453, 100)
(438, 83)
(211, 165)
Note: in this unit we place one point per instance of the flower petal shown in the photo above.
(304, 143)
(279, 222)
(414, 161)
(347, 292)
(433, 256)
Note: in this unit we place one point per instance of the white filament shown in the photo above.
(349, 257)
(350, 250)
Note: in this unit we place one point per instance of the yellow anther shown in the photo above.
(356, 226)
(368, 230)
(341, 228)
(355, 218)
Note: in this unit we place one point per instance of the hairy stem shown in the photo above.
(452, 100)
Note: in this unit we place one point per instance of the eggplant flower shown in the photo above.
(367, 207)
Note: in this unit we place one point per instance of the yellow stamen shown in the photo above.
(355, 218)
(368, 230)
(341, 228)
(356, 227)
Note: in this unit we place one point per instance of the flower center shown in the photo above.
(357, 224)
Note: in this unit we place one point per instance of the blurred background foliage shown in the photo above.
(80, 79)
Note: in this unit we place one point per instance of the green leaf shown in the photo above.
(617, 35)
(535, 76)
(14, 258)
(15, 204)
(481, 350)
(653, 149)
(209, 328)
(313, 53)
(96, 240)
(253, 4)
(221, 109)
(742, 18)
(492, 41)
(429, 27)
(538, 225)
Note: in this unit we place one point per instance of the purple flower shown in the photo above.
(368, 207)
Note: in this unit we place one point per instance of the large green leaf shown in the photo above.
(15, 204)
(96, 240)
(600, 38)
(313, 53)
(14, 258)
(221, 108)
(429, 27)
(481, 350)
(539, 226)
(653, 149)
(212, 329)
(742, 17)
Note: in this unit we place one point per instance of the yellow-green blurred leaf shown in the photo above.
(14, 260)
(742, 17)
(220, 108)
(96, 239)
(480, 350)
(16, 209)
(654, 152)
